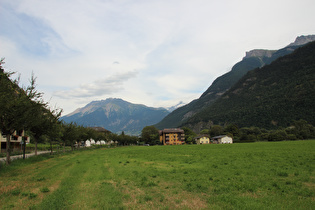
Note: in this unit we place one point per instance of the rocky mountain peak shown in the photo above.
(301, 40)
(259, 53)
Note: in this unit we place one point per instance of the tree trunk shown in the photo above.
(8, 149)
(35, 146)
(51, 149)
(64, 147)
(24, 146)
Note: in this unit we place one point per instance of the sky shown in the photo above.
(151, 52)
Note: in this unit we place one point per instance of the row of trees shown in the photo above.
(22, 108)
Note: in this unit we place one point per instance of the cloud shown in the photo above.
(102, 87)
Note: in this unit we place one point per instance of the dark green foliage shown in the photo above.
(216, 130)
(189, 135)
(44, 189)
(150, 135)
(16, 192)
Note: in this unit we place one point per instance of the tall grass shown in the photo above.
(277, 175)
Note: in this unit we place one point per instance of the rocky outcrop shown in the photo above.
(301, 40)
(259, 53)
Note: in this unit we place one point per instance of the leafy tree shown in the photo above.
(216, 130)
(189, 135)
(17, 106)
(70, 135)
(278, 135)
(205, 131)
(249, 134)
(150, 135)
(301, 129)
(232, 129)
(54, 133)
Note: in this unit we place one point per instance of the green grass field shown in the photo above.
(270, 175)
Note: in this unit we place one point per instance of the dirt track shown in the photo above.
(21, 156)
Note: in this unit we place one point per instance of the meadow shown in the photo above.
(262, 175)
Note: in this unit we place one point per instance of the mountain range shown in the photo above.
(116, 115)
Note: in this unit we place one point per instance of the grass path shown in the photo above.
(276, 175)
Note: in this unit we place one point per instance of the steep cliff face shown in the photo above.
(259, 53)
(301, 40)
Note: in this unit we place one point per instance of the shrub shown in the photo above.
(32, 195)
(16, 192)
(44, 189)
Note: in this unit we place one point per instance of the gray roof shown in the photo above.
(219, 137)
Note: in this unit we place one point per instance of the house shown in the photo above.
(15, 142)
(87, 143)
(203, 139)
(101, 130)
(224, 139)
(172, 136)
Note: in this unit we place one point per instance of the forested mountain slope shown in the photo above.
(267, 97)
(252, 60)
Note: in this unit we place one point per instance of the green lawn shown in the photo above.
(270, 175)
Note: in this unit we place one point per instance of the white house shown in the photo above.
(224, 139)
(87, 143)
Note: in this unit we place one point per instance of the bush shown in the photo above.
(16, 192)
(278, 135)
(44, 189)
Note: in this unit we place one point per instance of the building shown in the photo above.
(101, 130)
(203, 139)
(15, 141)
(172, 136)
(224, 139)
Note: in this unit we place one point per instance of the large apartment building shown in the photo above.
(172, 136)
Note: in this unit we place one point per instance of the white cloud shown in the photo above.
(101, 87)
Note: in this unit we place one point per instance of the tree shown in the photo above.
(301, 129)
(16, 106)
(232, 129)
(150, 135)
(54, 133)
(189, 135)
(216, 130)
(205, 131)
(43, 120)
(70, 134)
